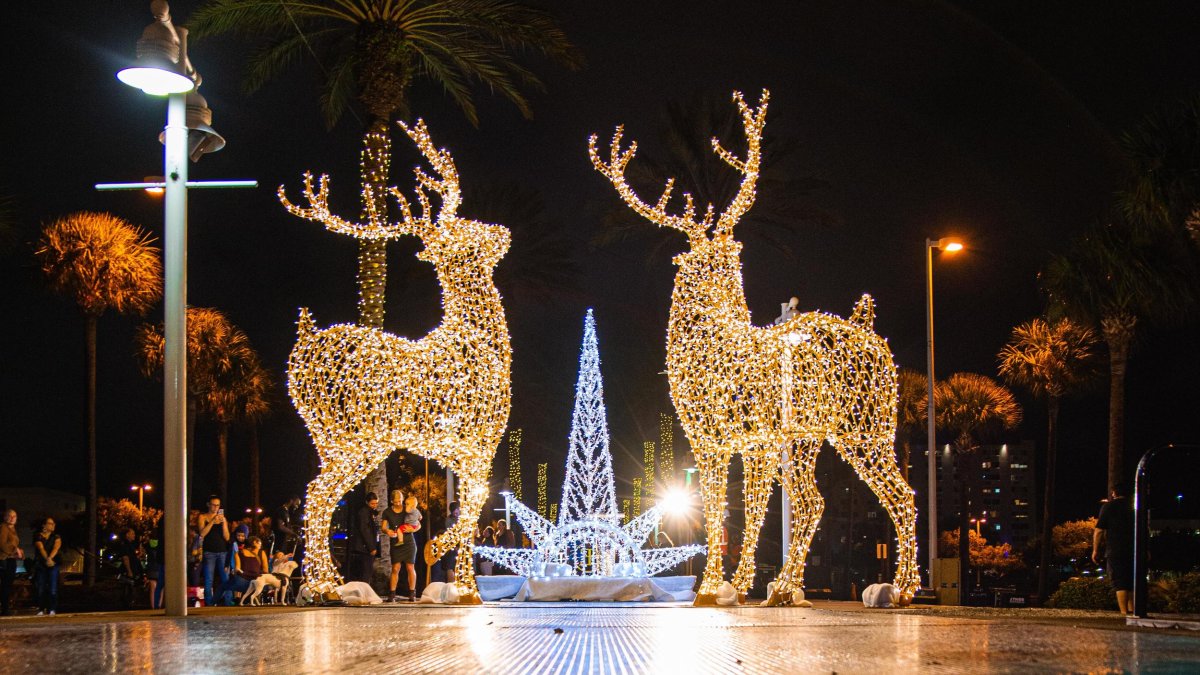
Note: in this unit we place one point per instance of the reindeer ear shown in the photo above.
(864, 312)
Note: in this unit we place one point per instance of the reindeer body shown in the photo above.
(363, 392)
(772, 395)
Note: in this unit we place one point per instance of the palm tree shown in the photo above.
(1051, 360)
(685, 130)
(102, 262)
(1163, 190)
(1120, 279)
(238, 394)
(912, 410)
(224, 374)
(970, 408)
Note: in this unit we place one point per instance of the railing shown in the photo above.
(1141, 528)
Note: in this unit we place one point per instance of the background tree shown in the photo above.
(1051, 360)
(912, 409)
(985, 557)
(103, 263)
(114, 516)
(970, 408)
(1073, 539)
(372, 52)
(1120, 279)
(1163, 189)
(783, 203)
(223, 373)
(239, 394)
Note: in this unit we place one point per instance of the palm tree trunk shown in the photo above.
(905, 456)
(372, 276)
(192, 413)
(1118, 333)
(223, 460)
(89, 358)
(964, 533)
(1048, 500)
(255, 500)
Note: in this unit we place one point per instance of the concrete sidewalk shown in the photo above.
(594, 637)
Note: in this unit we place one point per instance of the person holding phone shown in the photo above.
(214, 537)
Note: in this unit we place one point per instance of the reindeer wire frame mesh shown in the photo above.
(773, 394)
(363, 392)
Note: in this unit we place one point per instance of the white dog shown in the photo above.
(277, 579)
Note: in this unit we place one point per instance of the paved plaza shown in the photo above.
(593, 637)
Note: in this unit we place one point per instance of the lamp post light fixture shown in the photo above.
(163, 69)
(141, 490)
(947, 245)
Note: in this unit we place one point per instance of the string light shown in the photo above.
(648, 464)
(666, 456)
(626, 514)
(772, 395)
(637, 497)
(363, 392)
(542, 469)
(587, 534)
(514, 463)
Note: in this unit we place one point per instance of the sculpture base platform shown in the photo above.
(597, 589)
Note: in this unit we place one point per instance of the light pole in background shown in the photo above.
(140, 489)
(947, 245)
(163, 69)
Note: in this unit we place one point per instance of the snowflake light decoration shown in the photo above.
(588, 537)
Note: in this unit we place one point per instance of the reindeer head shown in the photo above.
(450, 241)
(702, 247)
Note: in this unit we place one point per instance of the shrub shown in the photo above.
(1176, 593)
(1084, 593)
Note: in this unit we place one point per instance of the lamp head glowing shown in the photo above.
(949, 244)
(162, 66)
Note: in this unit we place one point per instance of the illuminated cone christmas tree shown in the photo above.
(588, 491)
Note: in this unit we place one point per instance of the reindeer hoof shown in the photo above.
(705, 600)
(778, 599)
(469, 599)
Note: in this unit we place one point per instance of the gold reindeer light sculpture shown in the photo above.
(363, 392)
(772, 395)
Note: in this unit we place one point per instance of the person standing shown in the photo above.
(391, 521)
(214, 538)
(1114, 526)
(156, 573)
(364, 541)
(285, 524)
(10, 553)
(46, 547)
(129, 552)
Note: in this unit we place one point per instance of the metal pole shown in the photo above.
(175, 357)
(931, 447)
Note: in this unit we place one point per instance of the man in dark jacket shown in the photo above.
(1114, 528)
(364, 541)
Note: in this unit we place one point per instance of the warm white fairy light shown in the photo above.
(514, 463)
(648, 464)
(363, 392)
(587, 533)
(637, 497)
(772, 395)
(542, 494)
(666, 450)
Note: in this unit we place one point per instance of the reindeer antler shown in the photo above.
(447, 187)
(752, 121)
(614, 170)
(376, 227)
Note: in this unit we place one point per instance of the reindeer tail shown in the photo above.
(864, 312)
(305, 326)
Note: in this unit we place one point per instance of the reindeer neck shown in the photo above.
(472, 299)
(709, 296)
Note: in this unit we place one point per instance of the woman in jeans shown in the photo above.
(46, 546)
(214, 538)
(249, 563)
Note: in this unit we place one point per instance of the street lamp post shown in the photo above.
(141, 489)
(949, 245)
(163, 69)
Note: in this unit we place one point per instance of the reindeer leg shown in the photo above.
(472, 497)
(323, 493)
(879, 471)
(807, 507)
(760, 473)
(714, 478)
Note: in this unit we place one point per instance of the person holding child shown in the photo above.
(399, 521)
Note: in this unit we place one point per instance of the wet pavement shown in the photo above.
(593, 637)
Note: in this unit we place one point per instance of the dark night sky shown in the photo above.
(995, 122)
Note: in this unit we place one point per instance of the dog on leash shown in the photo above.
(277, 579)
